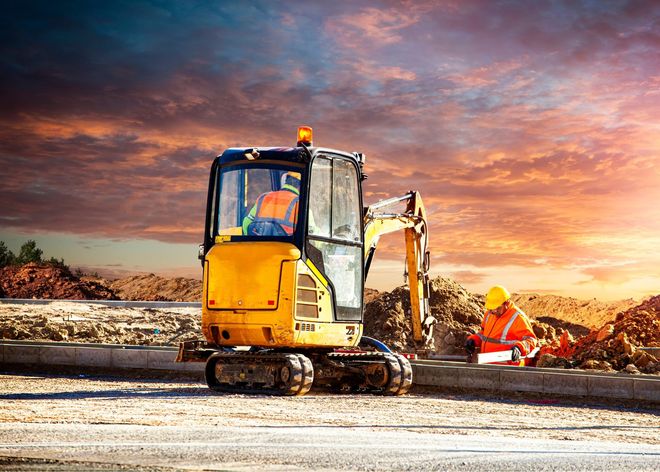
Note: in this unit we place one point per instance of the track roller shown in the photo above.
(267, 372)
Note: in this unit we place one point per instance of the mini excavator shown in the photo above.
(284, 275)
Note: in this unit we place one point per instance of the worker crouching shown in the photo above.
(504, 327)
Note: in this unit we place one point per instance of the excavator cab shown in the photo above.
(287, 245)
(283, 252)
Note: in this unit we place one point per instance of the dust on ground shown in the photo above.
(191, 404)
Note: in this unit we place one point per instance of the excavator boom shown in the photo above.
(413, 221)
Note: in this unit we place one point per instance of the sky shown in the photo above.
(531, 129)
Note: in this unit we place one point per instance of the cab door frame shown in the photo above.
(323, 244)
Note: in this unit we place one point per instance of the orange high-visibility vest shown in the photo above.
(279, 207)
(501, 333)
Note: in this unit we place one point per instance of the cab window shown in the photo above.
(258, 201)
(334, 242)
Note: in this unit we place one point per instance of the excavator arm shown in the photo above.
(413, 221)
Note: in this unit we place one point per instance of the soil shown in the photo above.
(92, 323)
(56, 282)
(457, 312)
(616, 344)
(578, 316)
(154, 288)
(50, 281)
(572, 333)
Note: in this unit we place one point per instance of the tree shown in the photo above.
(59, 263)
(6, 256)
(29, 253)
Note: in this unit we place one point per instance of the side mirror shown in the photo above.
(200, 252)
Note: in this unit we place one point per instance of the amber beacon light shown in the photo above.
(304, 135)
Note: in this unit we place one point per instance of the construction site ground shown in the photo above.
(82, 422)
(52, 421)
(572, 333)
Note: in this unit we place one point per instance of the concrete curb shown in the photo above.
(107, 356)
(578, 383)
(539, 380)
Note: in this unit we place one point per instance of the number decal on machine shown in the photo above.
(350, 330)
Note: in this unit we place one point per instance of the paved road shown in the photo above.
(315, 448)
(175, 425)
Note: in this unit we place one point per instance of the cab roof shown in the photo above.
(290, 154)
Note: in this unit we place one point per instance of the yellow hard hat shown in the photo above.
(295, 175)
(496, 296)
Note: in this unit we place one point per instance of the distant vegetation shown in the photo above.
(29, 253)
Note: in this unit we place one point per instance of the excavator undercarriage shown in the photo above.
(277, 372)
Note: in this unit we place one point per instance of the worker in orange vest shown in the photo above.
(275, 213)
(504, 327)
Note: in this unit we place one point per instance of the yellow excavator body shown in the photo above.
(263, 294)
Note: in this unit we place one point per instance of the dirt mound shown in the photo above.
(456, 311)
(580, 315)
(370, 294)
(615, 346)
(80, 322)
(458, 314)
(49, 281)
(155, 288)
(55, 282)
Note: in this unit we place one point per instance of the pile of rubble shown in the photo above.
(615, 346)
(49, 281)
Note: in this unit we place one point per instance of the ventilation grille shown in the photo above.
(307, 297)
(307, 327)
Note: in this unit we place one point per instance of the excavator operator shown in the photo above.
(504, 327)
(275, 213)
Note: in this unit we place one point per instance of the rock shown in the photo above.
(631, 369)
(623, 340)
(550, 361)
(605, 332)
(9, 332)
(59, 335)
(643, 358)
(539, 330)
(592, 364)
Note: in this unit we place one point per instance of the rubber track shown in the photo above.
(406, 374)
(399, 369)
(300, 379)
(307, 374)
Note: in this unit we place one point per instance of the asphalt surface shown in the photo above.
(315, 448)
(58, 423)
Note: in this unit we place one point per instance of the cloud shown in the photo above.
(467, 276)
(371, 25)
(530, 129)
